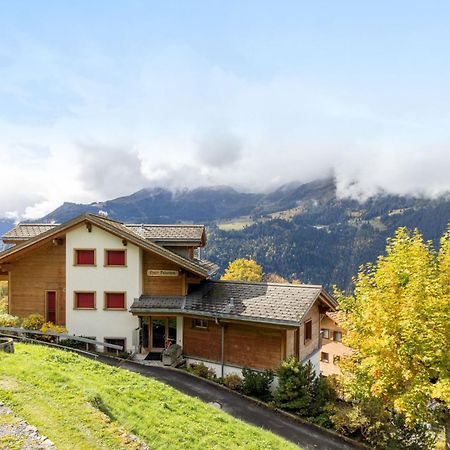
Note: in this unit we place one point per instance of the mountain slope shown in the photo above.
(299, 230)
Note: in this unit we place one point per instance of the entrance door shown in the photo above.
(158, 333)
(50, 307)
(163, 328)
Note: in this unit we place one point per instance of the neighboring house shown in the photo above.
(142, 286)
(332, 348)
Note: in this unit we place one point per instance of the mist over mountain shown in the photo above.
(300, 231)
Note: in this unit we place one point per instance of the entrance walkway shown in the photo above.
(304, 435)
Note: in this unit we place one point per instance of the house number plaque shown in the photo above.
(162, 273)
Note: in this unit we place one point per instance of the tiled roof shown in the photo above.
(25, 231)
(155, 233)
(255, 302)
(169, 233)
(335, 316)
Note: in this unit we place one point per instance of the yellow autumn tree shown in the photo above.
(398, 324)
(242, 269)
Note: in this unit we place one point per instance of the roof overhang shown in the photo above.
(197, 313)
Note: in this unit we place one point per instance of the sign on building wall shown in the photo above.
(162, 273)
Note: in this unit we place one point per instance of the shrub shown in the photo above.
(202, 370)
(72, 343)
(49, 326)
(370, 420)
(257, 384)
(33, 322)
(4, 305)
(6, 320)
(300, 390)
(233, 381)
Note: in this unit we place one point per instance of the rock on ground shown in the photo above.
(15, 433)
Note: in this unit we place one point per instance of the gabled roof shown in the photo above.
(283, 304)
(161, 234)
(204, 269)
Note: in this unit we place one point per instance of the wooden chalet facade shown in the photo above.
(142, 286)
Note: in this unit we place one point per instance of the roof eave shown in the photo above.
(189, 312)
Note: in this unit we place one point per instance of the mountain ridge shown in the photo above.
(298, 230)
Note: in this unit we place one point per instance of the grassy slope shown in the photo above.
(61, 393)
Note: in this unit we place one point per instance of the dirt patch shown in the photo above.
(9, 384)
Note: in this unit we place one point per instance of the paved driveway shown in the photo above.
(304, 435)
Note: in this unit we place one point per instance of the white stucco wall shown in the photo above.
(102, 323)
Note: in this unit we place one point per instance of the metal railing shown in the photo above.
(59, 336)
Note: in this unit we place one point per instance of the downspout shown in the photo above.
(222, 359)
(222, 346)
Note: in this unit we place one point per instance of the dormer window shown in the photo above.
(84, 257)
(115, 258)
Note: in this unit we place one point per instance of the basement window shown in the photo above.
(115, 258)
(200, 323)
(84, 300)
(114, 300)
(84, 257)
(324, 357)
(115, 341)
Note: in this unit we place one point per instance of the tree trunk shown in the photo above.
(447, 432)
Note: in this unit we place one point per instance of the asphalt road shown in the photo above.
(304, 435)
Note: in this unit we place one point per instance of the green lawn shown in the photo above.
(82, 404)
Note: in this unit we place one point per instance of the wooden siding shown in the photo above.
(30, 277)
(161, 285)
(254, 346)
(333, 348)
(308, 347)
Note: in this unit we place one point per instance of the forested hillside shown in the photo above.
(298, 231)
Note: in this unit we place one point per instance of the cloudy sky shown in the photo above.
(101, 98)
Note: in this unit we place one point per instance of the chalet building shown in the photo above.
(332, 348)
(142, 286)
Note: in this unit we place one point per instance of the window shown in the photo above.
(84, 300)
(337, 336)
(324, 357)
(84, 257)
(115, 258)
(336, 359)
(325, 333)
(200, 323)
(308, 330)
(115, 300)
(115, 341)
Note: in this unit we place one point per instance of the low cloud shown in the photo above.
(109, 171)
(218, 149)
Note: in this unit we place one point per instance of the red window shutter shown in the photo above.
(85, 300)
(51, 306)
(85, 257)
(115, 257)
(115, 300)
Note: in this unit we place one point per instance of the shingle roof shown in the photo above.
(170, 233)
(25, 231)
(255, 302)
(156, 233)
